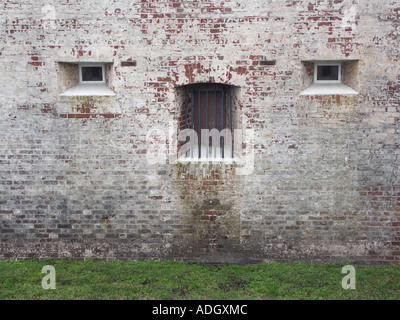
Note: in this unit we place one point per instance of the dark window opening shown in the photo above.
(328, 73)
(92, 73)
(208, 106)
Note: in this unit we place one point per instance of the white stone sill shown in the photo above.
(317, 89)
(88, 90)
(209, 160)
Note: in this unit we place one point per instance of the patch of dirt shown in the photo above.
(181, 290)
(64, 282)
(234, 283)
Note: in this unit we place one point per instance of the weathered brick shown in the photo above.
(75, 176)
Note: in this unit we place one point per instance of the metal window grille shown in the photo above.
(209, 106)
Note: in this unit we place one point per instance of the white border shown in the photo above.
(322, 63)
(92, 65)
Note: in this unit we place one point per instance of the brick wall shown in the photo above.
(75, 176)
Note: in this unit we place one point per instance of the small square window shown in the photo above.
(337, 77)
(327, 72)
(86, 78)
(89, 74)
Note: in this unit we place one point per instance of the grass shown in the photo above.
(169, 280)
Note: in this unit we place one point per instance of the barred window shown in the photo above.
(207, 120)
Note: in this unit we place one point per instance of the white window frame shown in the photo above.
(323, 63)
(103, 69)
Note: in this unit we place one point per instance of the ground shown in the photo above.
(170, 280)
